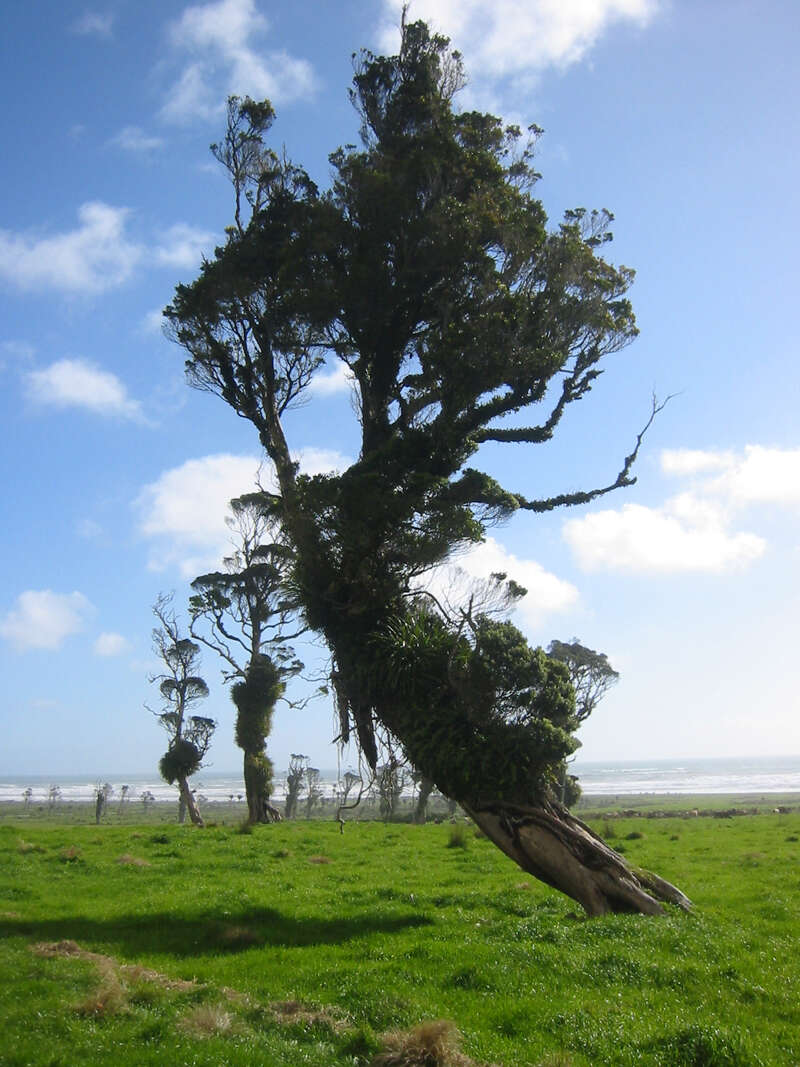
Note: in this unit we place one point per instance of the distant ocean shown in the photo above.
(780, 774)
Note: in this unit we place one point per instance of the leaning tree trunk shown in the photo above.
(554, 846)
(188, 803)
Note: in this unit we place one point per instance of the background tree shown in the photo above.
(591, 676)
(346, 785)
(102, 795)
(295, 782)
(425, 786)
(390, 778)
(245, 609)
(180, 688)
(429, 270)
(314, 790)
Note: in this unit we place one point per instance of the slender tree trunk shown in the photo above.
(426, 787)
(188, 803)
(558, 849)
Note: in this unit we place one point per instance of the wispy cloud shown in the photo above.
(222, 43)
(95, 256)
(504, 39)
(96, 23)
(134, 139)
(76, 383)
(110, 644)
(693, 530)
(183, 512)
(42, 619)
(546, 593)
(183, 246)
(675, 538)
(338, 380)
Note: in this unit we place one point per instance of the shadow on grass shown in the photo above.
(208, 933)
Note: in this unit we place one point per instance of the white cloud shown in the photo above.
(756, 475)
(153, 321)
(92, 258)
(111, 644)
(320, 460)
(134, 139)
(762, 475)
(686, 461)
(504, 38)
(99, 23)
(338, 380)
(222, 41)
(75, 383)
(692, 530)
(547, 595)
(183, 246)
(685, 535)
(44, 619)
(184, 510)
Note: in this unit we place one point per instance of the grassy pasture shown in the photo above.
(298, 945)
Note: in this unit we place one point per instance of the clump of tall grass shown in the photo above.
(436, 1043)
(28, 846)
(457, 837)
(208, 1020)
(126, 859)
(109, 998)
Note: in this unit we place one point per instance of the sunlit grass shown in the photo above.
(193, 940)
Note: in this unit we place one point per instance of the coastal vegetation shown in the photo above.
(291, 945)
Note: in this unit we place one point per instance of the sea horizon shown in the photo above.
(692, 775)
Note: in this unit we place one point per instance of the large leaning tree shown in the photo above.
(243, 613)
(428, 269)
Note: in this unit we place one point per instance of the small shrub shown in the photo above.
(245, 827)
(609, 831)
(457, 838)
(792, 837)
(160, 839)
(634, 835)
(71, 854)
(282, 854)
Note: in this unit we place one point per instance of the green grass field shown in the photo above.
(296, 945)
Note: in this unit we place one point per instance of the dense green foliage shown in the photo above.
(259, 921)
(429, 270)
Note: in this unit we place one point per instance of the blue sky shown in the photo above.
(679, 116)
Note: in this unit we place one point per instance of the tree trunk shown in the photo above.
(256, 784)
(188, 803)
(551, 844)
(426, 787)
